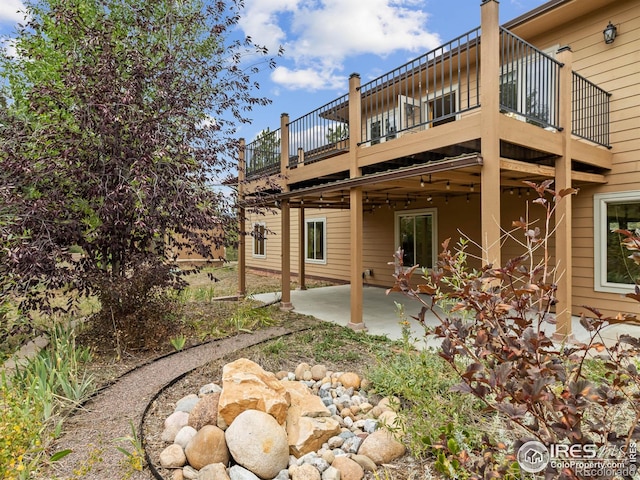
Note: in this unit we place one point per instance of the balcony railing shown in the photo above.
(529, 82)
(320, 134)
(428, 91)
(262, 156)
(590, 111)
(437, 88)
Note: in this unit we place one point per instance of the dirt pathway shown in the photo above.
(92, 432)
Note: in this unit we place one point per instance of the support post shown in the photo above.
(301, 253)
(490, 138)
(242, 224)
(355, 211)
(563, 214)
(356, 321)
(285, 212)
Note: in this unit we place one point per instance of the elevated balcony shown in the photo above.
(430, 109)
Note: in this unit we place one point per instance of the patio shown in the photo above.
(380, 316)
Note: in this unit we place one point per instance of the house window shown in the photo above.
(417, 236)
(441, 108)
(614, 271)
(316, 241)
(259, 240)
(382, 127)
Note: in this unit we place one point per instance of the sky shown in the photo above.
(325, 41)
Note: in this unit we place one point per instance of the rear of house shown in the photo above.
(439, 148)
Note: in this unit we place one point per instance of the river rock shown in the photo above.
(207, 446)
(258, 442)
(349, 470)
(214, 471)
(381, 447)
(185, 435)
(173, 457)
(305, 472)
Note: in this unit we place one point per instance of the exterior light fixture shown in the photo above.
(448, 186)
(511, 192)
(610, 33)
(429, 198)
(421, 181)
(472, 188)
(467, 198)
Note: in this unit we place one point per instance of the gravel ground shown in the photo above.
(91, 434)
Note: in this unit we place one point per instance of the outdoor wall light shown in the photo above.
(610, 33)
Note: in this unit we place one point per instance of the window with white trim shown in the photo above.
(315, 250)
(614, 271)
(416, 233)
(259, 235)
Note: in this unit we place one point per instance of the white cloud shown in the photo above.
(11, 11)
(319, 35)
(307, 78)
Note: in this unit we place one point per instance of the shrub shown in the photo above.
(496, 340)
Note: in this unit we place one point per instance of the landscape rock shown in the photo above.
(382, 447)
(205, 412)
(349, 470)
(209, 388)
(350, 380)
(186, 404)
(306, 434)
(238, 473)
(331, 473)
(173, 457)
(246, 386)
(189, 472)
(318, 372)
(258, 442)
(207, 446)
(365, 462)
(306, 472)
(184, 436)
(177, 475)
(300, 369)
(172, 425)
(214, 471)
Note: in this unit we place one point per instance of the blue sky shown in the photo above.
(326, 40)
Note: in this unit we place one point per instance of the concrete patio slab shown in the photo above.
(381, 317)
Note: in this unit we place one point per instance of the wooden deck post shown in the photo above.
(302, 282)
(285, 212)
(242, 224)
(490, 137)
(563, 215)
(355, 205)
(285, 217)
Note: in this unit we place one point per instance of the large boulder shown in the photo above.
(382, 447)
(309, 422)
(207, 446)
(246, 386)
(258, 442)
